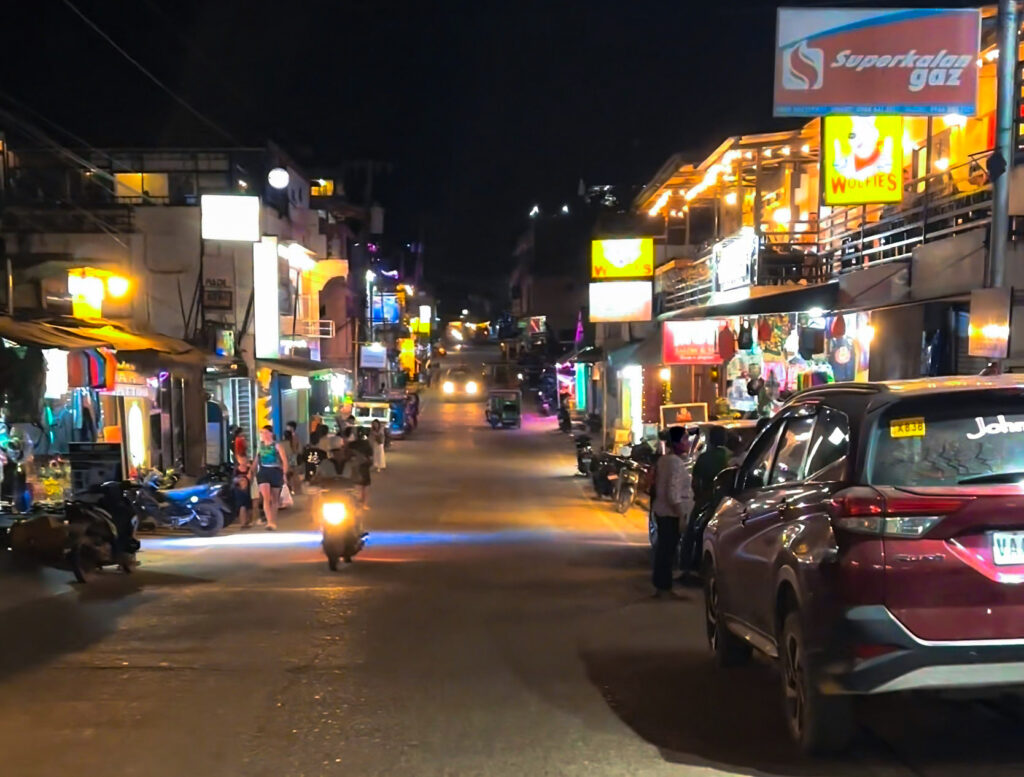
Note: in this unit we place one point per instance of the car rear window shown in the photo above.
(967, 443)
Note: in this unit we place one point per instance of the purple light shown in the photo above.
(163, 375)
(390, 273)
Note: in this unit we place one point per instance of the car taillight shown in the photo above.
(864, 510)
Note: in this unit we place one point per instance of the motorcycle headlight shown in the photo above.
(448, 387)
(334, 513)
(471, 387)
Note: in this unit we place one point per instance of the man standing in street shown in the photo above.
(672, 503)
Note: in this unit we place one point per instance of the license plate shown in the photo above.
(1008, 547)
(906, 427)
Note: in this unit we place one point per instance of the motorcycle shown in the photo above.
(584, 453)
(633, 476)
(84, 539)
(199, 508)
(604, 472)
(342, 535)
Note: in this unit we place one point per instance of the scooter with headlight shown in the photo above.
(341, 523)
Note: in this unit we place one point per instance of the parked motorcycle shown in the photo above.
(604, 473)
(584, 453)
(633, 476)
(199, 508)
(342, 535)
(84, 538)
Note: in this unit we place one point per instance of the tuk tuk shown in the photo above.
(366, 411)
(399, 416)
(504, 408)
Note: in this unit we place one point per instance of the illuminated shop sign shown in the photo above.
(691, 342)
(230, 217)
(862, 159)
(620, 301)
(628, 258)
(734, 259)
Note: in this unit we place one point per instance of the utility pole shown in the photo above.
(1002, 158)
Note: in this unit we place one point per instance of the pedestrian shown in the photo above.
(272, 469)
(241, 489)
(671, 506)
(240, 444)
(713, 460)
(377, 444)
(359, 458)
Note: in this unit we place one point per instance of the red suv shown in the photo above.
(873, 541)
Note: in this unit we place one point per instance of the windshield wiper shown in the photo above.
(995, 477)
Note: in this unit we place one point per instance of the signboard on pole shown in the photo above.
(910, 61)
(625, 258)
(621, 301)
(862, 159)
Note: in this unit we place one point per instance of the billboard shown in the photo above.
(862, 159)
(620, 301)
(386, 309)
(866, 61)
(691, 342)
(229, 217)
(628, 258)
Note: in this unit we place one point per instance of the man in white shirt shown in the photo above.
(673, 500)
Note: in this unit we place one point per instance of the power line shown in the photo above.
(181, 100)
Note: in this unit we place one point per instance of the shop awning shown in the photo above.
(645, 353)
(589, 355)
(294, 366)
(40, 335)
(71, 334)
(758, 300)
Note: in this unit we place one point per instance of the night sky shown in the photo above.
(483, 108)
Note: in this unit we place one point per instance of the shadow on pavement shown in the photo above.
(43, 626)
(696, 715)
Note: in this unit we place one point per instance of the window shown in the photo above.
(829, 446)
(322, 187)
(792, 448)
(755, 467)
(131, 187)
(962, 441)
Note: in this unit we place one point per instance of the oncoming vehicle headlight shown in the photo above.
(334, 513)
(471, 387)
(448, 387)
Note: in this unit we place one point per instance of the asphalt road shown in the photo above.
(499, 623)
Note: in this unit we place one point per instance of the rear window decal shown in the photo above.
(999, 426)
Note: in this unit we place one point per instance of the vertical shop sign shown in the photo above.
(266, 301)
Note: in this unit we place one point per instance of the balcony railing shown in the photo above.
(849, 239)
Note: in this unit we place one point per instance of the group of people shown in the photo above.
(680, 495)
(272, 466)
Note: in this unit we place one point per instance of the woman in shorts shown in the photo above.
(271, 471)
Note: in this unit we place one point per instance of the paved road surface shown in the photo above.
(499, 624)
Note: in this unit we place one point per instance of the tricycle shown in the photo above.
(504, 408)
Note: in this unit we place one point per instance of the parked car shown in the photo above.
(873, 541)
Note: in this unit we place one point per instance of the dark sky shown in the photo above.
(483, 107)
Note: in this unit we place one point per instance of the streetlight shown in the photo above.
(565, 209)
(534, 211)
(278, 178)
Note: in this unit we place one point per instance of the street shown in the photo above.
(498, 623)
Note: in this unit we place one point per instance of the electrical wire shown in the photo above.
(180, 100)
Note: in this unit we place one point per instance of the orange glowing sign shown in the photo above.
(628, 258)
(862, 159)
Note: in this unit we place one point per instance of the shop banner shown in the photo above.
(620, 301)
(691, 342)
(862, 159)
(373, 356)
(628, 258)
(868, 61)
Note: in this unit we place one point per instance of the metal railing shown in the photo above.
(850, 239)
